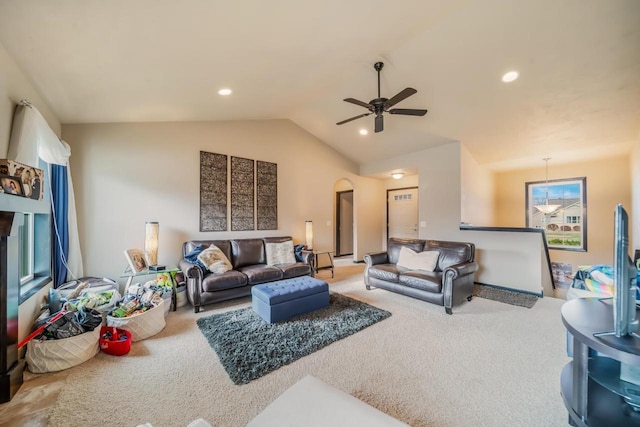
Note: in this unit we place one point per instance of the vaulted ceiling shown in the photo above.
(577, 97)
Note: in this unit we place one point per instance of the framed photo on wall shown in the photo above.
(559, 207)
(11, 185)
(135, 258)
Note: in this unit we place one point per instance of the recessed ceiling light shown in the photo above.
(363, 132)
(224, 92)
(397, 175)
(510, 76)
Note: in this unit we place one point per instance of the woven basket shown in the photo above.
(56, 355)
(143, 325)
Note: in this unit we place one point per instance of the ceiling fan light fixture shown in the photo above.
(397, 175)
(224, 91)
(510, 76)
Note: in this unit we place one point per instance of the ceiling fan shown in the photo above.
(381, 105)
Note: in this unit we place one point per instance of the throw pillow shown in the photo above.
(215, 260)
(413, 260)
(280, 253)
(192, 256)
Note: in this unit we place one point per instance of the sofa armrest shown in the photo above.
(194, 275)
(376, 258)
(457, 283)
(460, 270)
(307, 257)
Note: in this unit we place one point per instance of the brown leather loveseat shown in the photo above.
(450, 282)
(249, 261)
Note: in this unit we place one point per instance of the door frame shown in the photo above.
(338, 193)
(387, 202)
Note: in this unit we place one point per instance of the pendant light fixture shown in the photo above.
(547, 208)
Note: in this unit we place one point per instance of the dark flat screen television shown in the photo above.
(624, 278)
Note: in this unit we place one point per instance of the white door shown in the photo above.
(403, 213)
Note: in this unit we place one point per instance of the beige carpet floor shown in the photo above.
(488, 364)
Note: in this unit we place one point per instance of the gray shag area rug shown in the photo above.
(504, 295)
(249, 347)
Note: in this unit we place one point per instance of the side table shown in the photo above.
(324, 267)
(590, 385)
(129, 275)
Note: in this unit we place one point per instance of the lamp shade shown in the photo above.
(546, 208)
(309, 234)
(151, 242)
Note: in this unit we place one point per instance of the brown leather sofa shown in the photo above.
(248, 258)
(448, 285)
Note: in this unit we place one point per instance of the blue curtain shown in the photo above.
(60, 210)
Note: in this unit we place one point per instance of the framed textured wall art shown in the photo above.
(213, 192)
(267, 195)
(242, 194)
(559, 207)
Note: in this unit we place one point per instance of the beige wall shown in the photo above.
(608, 183)
(126, 174)
(477, 198)
(15, 86)
(634, 165)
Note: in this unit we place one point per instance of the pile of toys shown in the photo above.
(145, 298)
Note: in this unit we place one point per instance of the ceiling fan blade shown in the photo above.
(379, 123)
(352, 118)
(403, 94)
(360, 103)
(408, 111)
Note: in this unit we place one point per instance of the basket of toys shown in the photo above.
(142, 315)
(115, 341)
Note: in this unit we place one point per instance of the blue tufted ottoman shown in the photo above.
(281, 300)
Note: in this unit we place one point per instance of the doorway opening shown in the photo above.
(344, 223)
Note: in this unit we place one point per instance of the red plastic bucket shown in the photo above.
(112, 341)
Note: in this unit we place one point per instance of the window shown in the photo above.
(559, 207)
(26, 238)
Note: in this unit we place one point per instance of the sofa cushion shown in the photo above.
(219, 282)
(388, 272)
(451, 253)
(429, 281)
(280, 253)
(247, 252)
(294, 270)
(261, 273)
(215, 260)
(395, 244)
(412, 260)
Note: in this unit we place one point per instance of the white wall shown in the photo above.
(478, 192)
(634, 163)
(126, 174)
(15, 86)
